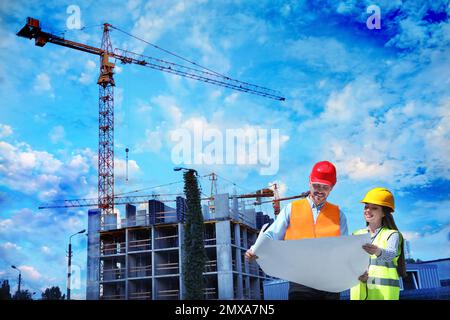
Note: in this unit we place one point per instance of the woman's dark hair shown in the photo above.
(388, 222)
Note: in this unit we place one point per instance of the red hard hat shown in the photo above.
(323, 172)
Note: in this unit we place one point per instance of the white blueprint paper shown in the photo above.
(330, 264)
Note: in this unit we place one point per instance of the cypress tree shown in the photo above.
(194, 248)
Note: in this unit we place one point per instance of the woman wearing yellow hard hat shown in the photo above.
(387, 259)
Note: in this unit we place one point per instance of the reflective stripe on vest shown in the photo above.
(302, 226)
(383, 282)
(380, 262)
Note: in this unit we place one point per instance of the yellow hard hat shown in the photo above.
(381, 197)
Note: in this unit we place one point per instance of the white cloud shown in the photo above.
(212, 57)
(79, 164)
(57, 134)
(29, 272)
(371, 137)
(231, 98)
(46, 250)
(143, 107)
(431, 246)
(88, 75)
(158, 17)
(322, 53)
(120, 168)
(410, 235)
(10, 246)
(41, 173)
(170, 109)
(42, 83)
(152, 143)
(359, 97)
(5, 130)
(5, 224)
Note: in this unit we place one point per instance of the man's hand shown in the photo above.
(363, 277)
(250, 255)
(372, 249)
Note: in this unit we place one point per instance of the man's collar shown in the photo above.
(313, 205)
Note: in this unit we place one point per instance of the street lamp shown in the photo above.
(20, 278)
(69, 267)
(185, 169)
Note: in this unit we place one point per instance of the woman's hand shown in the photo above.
(250, 255)
(363, 277)
(372, 249)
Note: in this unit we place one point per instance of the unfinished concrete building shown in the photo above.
(140, 256)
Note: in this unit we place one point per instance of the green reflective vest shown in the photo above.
(383, 282)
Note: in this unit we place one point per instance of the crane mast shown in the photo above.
(106, 127)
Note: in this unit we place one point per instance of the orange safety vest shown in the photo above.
(302, 226)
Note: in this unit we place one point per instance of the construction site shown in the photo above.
(105, 102)
(139, 256)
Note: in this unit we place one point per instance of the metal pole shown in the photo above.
(20, 280)
(69, 270)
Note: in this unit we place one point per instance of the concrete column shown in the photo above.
(239, 262)
(126, 262)
(246, 264)
(181, 257)
(255, 286)
(224, 259)
(93, 256)
(153, 263)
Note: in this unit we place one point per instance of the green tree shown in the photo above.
(194, 248)
(5, 291)
(22, 295)
(53, 293)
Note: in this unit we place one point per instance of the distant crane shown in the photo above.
(138, 199)
(276, 201)
(126, 176)
(33, 30)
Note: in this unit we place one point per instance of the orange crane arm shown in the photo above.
(32, 30)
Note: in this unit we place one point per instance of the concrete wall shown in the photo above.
(224, 263)
(93, 253)
(222, 206)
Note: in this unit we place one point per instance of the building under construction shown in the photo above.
(140, 255)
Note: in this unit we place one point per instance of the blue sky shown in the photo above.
(374, 102)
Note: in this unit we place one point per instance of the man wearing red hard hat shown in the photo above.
(312, 217)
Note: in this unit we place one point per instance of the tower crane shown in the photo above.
(138, 199)
(106, 83)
